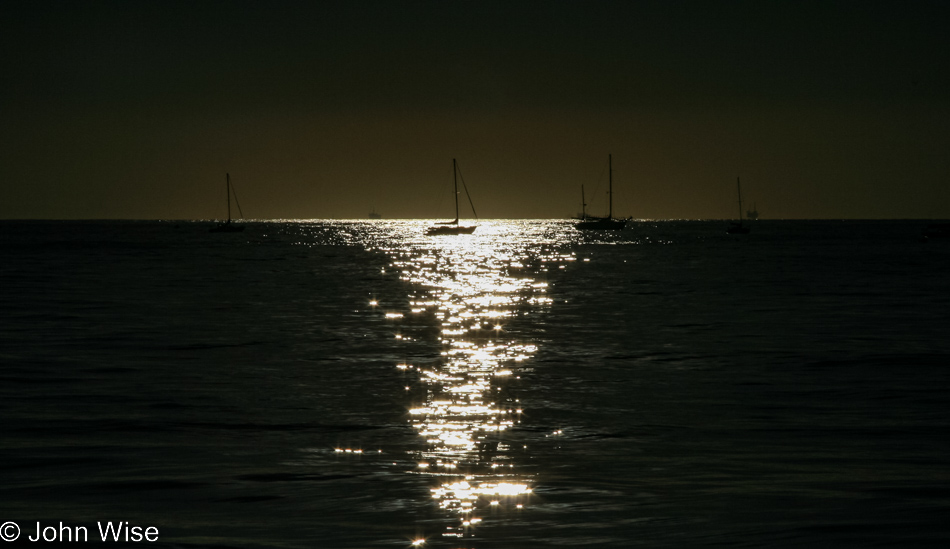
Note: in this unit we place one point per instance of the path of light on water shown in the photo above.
(468, 286)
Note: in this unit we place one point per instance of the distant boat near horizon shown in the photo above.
(374, 215)
(453, 227)
(227, 226)
(609, 223)
(738, 227)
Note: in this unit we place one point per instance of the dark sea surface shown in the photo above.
(358, 384)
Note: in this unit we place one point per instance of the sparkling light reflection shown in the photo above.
(467, 287)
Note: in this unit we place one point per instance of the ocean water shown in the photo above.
(358, 384)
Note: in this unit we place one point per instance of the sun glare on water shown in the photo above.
(466, 288)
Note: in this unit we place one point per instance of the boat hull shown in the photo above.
(449, 229)
(605, 224)
(737, 228)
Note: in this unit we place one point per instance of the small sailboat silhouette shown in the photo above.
(227, 226)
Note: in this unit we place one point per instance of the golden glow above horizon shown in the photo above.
(468, 287)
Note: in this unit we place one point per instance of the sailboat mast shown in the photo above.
(456, 183)
(583, 204)
(228, 191)
(610, 187)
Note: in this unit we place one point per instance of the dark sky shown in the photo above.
(137, 109)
